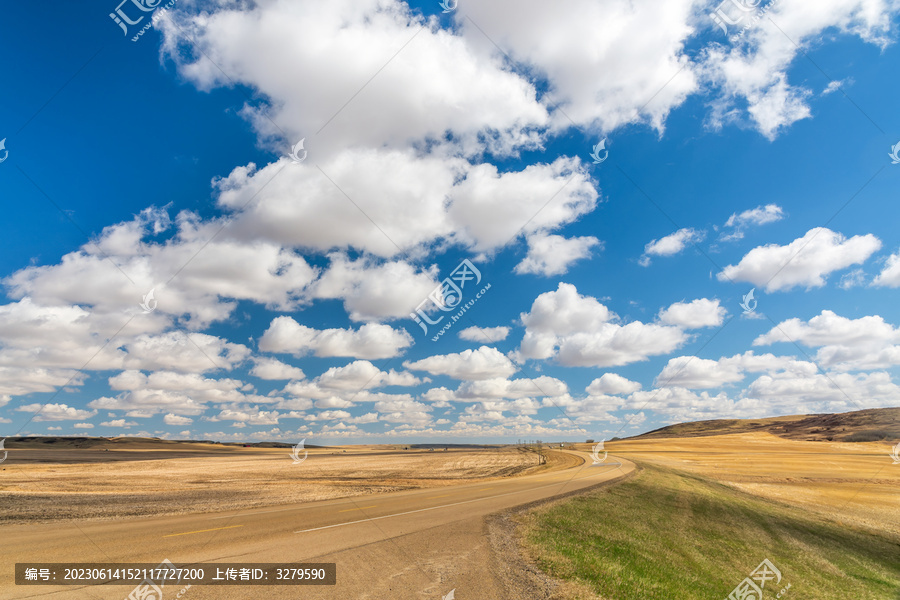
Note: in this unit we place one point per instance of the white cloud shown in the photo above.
(754, 70)
(671, 244)
(612, 383)
(208, 388)
(502, 388)
(271, 368)
(738, 223)
(83, 425)
(702, 312)
(890, 275)
(333, 49)
(605, 65)
(836, 85)
(149, 402)
(404, 411)
(119, 423)
(474, 205)
(692, 372)
(844, 344)
(56, 412)
(552, 254)
(371, 341)
(171, 419)
(362, 374)
(819, 393)
(212, 273)
(806, 261)
(698, 373)
(373, 290)
(16, 381)
(250, 416)
(852, 279)
(577, 331)
(468, 365)
(484, 335)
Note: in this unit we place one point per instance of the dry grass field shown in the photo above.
(707, 507)
(134, 477)
(847, 482)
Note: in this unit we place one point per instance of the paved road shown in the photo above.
(414, 544)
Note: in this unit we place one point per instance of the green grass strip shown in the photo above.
(667, 534)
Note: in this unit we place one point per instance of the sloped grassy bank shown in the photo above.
(668, 534)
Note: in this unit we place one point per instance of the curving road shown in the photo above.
(410, 544)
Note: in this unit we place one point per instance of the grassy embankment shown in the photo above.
(668, 534)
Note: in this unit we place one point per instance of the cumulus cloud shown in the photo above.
(612, 383)
(501, 388)
(890, 275)
(250, 416)
(753, 71)
(213, 271)
(171, 419)
(806, 261)
(702, 312)
(257, 44)
(372, 290)
(844, 344)
(371, 341)
(270, 368)
(671, 244)
(56, 412)
(833, 392)
(552, 254)
(692, 372)
(145, 403)
(362, 374)
(604, 65)
(483, 363)
(119, 423)
(738, 223)
(484, 335)
(580, 331)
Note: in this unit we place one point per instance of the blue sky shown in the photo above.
(282, 290)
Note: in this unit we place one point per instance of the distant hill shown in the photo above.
(859, 426)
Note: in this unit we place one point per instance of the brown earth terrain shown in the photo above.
(860, 426)
(49, 479)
